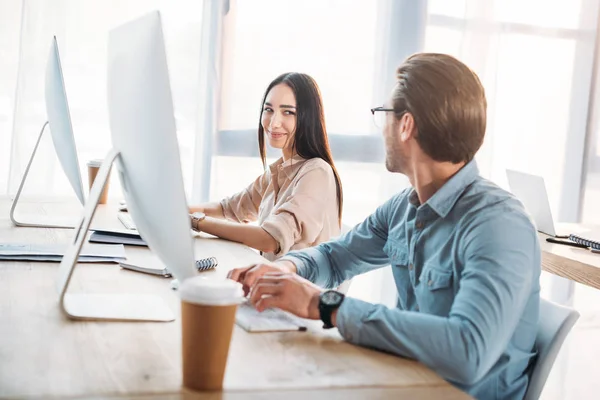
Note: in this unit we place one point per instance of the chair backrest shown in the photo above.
(555, 323)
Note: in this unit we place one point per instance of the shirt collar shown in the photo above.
(289, 167)
(444, 199)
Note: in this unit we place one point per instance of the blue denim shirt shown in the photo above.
(466, 265)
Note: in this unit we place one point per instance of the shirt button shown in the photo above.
(419, 224)
(410, 267)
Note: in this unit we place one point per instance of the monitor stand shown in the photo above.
(105, 307)
(41, 221)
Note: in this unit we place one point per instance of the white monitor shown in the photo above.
(59, 121)
(145, 148)
(143, 131)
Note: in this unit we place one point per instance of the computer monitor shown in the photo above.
(146, 151)
(59, 119)
(143, 131)
(61, 129)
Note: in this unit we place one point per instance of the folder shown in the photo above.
(112, 237)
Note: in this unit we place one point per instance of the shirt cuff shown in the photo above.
(300, 265)
(307, 263)
(351, 316)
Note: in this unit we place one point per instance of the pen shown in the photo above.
(573, 244)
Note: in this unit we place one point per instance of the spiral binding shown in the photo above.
(206, 263)
(589, 243)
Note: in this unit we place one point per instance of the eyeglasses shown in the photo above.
(379, 115)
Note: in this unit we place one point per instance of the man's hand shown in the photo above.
(288, 292)
(248, 276)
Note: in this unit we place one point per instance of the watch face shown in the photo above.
(198, 215)
(331, 298)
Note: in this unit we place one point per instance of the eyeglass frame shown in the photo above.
(381, 108)
(375, 109)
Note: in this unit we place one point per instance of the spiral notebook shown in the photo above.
(592, 244)
(155, 267)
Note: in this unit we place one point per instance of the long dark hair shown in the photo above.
(310, 139)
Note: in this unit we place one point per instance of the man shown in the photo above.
(464, 254)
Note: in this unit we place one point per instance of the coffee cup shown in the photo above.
(208, 308)
(93, 168)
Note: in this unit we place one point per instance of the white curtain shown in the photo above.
(536, 61)
(10, 27)
(81, 28)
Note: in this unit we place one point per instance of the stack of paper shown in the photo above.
(55, 252)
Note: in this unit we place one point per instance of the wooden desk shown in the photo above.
(43, 354)
(579, 265)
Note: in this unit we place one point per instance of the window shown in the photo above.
(536, 69)
(264, 39)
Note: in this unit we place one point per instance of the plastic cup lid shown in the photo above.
(202, 290)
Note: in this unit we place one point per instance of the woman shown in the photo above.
(298, 200)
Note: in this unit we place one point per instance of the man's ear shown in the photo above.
(406, 127)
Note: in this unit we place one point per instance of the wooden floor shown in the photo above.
(576, 373)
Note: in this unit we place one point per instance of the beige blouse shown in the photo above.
(294, 201)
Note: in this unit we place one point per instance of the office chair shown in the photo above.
(555, 323)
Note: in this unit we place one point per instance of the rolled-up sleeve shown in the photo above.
(243, 206)
(302, 216)
(356, 252)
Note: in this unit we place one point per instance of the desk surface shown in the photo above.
(579, 265)
(44, 354)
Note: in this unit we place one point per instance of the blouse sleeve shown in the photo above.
(243, 206)
(302, 216)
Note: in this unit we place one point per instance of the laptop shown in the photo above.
(531, 190)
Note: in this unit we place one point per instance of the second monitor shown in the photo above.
(61, 129)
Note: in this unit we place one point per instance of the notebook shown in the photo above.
(132, 239)
(592, 244)
(126, 220)
(270, 320)
(155, 267)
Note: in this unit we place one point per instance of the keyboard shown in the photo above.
(270, 320)
(126, 220)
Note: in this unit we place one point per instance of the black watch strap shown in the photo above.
(326, 317)
(326, 309)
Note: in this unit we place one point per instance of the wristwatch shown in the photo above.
(329, 301)
(196, 218)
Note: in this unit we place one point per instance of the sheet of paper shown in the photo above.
(42, 258)
(104, 251)
(270, 320)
